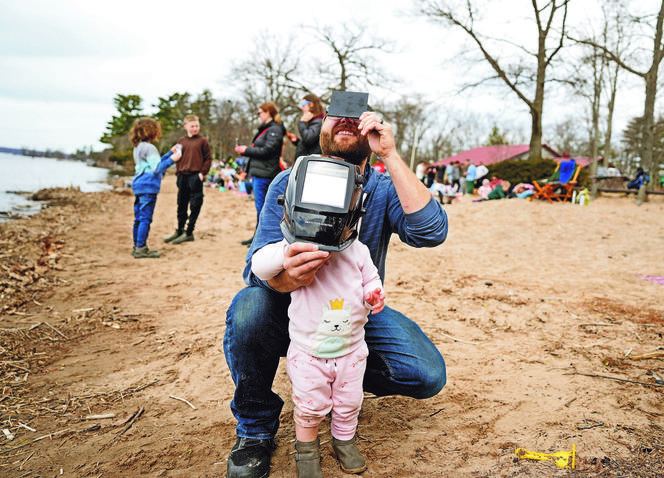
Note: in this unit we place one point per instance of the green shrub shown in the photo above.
(526, 171)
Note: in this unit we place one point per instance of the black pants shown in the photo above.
(190, 199)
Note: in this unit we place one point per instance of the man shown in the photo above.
(402, 359)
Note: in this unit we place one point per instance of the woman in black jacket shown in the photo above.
(264, 154)
(309, 127)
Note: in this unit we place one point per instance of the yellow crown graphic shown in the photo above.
(337, 304)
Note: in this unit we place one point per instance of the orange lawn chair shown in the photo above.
(560, 185)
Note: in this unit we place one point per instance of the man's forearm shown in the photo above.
(413, 194)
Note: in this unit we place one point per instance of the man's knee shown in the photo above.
(432, 380)
(255, 309)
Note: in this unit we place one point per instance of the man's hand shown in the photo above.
(376, 299)
(379, 134)
(301, 262)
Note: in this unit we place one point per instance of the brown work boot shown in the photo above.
(349, 456)
(307, 457)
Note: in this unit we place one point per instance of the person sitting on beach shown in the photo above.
(484, 189)
(150, 169)
(523, 190)
(444, 192)
(639, 180)
(500, 191)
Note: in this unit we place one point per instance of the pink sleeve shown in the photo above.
(370, 277)
(268, 261)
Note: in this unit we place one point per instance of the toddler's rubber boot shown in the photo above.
(307, 457)
(145, 253)
(173, 236)
(349, 455)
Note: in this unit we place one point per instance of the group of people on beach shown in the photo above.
(448, 183)
(321, 304)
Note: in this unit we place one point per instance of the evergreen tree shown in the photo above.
(129, 109)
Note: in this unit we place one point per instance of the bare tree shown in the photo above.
(269, 73)
(550, 17)
(352, 63)
(656, 54)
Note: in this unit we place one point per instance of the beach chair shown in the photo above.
(560, 185)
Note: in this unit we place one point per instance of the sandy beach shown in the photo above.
(545, 314)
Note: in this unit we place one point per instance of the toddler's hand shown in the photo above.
(177, 154)
(376, 299)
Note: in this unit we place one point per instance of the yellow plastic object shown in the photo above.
(564, 459)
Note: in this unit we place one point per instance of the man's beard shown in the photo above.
(353, 153)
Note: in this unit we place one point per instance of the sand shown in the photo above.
(539, 310)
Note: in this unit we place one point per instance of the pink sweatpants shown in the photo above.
(321, 385)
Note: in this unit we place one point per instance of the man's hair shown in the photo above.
(144, 129)
(189, 118)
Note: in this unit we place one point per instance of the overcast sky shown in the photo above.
(63, 61)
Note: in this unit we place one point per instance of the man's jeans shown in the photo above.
(402, 359)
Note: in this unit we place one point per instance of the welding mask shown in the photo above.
(322, 203)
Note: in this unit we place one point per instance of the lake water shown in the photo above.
(25, 174)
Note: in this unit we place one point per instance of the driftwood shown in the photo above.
(655, 354)
(620, 379)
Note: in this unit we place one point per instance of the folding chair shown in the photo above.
(560, 185)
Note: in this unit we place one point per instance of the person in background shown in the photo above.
(470, 177)
(402, 359)
(420, 171)
(500, 190)
(480, 172)
(150, 169)
(191, 171)
(264, 155)
(309, 127)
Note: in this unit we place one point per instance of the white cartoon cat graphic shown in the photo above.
(334, 331)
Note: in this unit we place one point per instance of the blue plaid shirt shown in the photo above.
(424, 228)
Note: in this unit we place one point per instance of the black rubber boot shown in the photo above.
(250, 458)
(349, 455)
(307, 457)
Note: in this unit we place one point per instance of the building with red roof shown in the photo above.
(487, 155)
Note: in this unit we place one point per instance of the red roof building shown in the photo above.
(495, 154)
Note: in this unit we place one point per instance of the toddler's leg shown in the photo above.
(347, 396)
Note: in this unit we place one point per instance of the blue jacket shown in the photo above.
(150, 168)
(424, 228)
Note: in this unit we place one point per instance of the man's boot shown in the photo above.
(173, 236)
(349, 455)
(307, 457)
(250, 458)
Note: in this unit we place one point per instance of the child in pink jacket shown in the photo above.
(327, 355)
